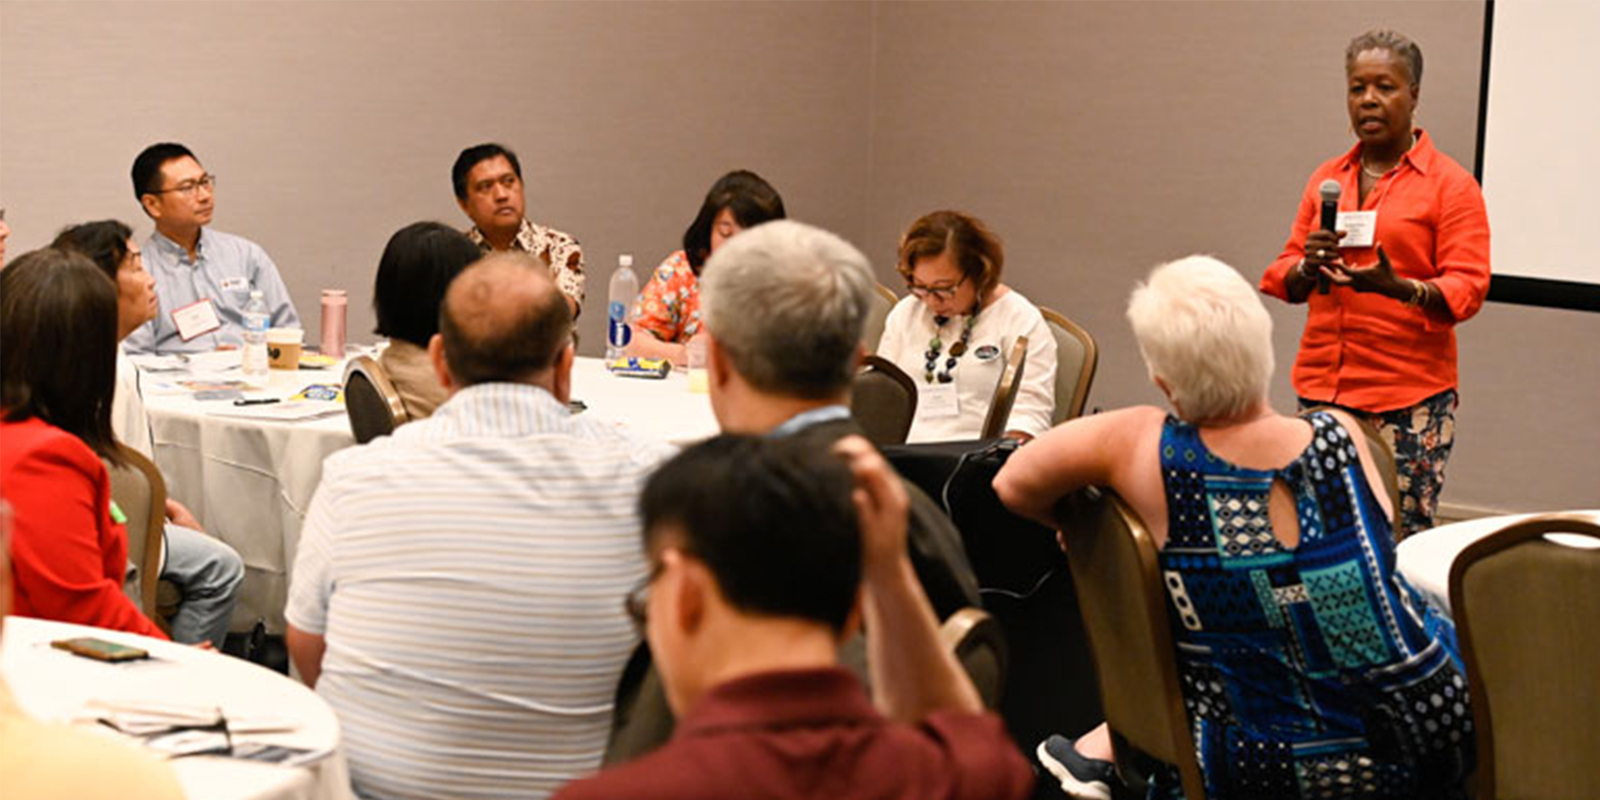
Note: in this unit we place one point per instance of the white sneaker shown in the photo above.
(1081, 777)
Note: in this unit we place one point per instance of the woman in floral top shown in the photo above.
(669, 306)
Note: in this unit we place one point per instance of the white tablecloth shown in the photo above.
(663, 409)
(1425, 558)
(54, 685)
(250, 481)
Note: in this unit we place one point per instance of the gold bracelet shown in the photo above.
(1419, 294)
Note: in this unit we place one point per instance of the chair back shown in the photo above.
(978, 642)
(1005, 391)
(1076, 360)
(371, 400)
(1525, 609)
(883, 401)
(1382, 455)
(883, 301)
(1113, 563)
(139, 490)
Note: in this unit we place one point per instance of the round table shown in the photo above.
(662, 409)
(55, 686)
(1425, 558)
(250, 481)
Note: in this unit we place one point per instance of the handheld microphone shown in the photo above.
(1330, 218)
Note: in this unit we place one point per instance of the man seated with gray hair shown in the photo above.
(457, 597)
(784, 304)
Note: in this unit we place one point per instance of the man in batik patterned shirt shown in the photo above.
(488, 184)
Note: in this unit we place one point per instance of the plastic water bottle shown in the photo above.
(624, 290)
(254, 352)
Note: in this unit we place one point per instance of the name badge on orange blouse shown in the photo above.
(1358, 226)
(937, 401)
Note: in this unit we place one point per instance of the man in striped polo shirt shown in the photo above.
(457, 593)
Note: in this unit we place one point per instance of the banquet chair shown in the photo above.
(979, 644)
(140, 492)
(883, 401)
(1005, 391)
(1076, 360)
(1383, 456)
(883, 301)
(371, 400)
(1525, 609)
(1113, 563)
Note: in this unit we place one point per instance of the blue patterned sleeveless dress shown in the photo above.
(1308, 672)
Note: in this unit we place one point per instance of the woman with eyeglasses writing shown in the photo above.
(953, 333)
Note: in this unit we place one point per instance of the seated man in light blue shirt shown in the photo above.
(194, 264)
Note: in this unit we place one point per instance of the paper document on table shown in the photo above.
(215, 361)
(140, 717)
(155, 362)
(286, 411)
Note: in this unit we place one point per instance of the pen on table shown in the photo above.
(255, 402)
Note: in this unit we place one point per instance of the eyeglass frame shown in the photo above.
(941, 292)
(186, 188)
(636, 603)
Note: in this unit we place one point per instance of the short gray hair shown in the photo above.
(1203, 331)
(787, 302)
(1395, 42)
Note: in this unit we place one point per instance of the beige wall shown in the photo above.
(333, 124)
(1097, 137)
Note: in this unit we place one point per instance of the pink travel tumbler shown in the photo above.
(334, 304)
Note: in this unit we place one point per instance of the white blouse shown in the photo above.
(129, 422)
(906, 335)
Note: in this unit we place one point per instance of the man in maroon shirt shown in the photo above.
(766, 554)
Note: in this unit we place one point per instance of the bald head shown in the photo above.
(503, 320)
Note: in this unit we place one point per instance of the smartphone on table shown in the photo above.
(100, 649)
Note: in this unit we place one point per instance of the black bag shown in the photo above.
(1010, 555)
(1024, 582)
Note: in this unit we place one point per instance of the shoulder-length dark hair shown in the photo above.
(58, 345)
(417, 266)
(104, 242)
(752, 200)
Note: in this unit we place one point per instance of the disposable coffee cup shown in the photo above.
(283, 347)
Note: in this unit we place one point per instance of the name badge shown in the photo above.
(235, 285)
(937, 401)
(1358, 227)
(196, 319)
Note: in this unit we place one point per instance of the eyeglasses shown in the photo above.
(188, 188)
(940, 292)
(637, 602)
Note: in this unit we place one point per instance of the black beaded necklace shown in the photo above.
(957, 350)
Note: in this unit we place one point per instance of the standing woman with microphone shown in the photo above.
(1406, 260)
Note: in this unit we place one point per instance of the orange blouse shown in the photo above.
(1368, 351)
(669, 305)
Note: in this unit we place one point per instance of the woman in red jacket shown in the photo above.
(58, 338)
